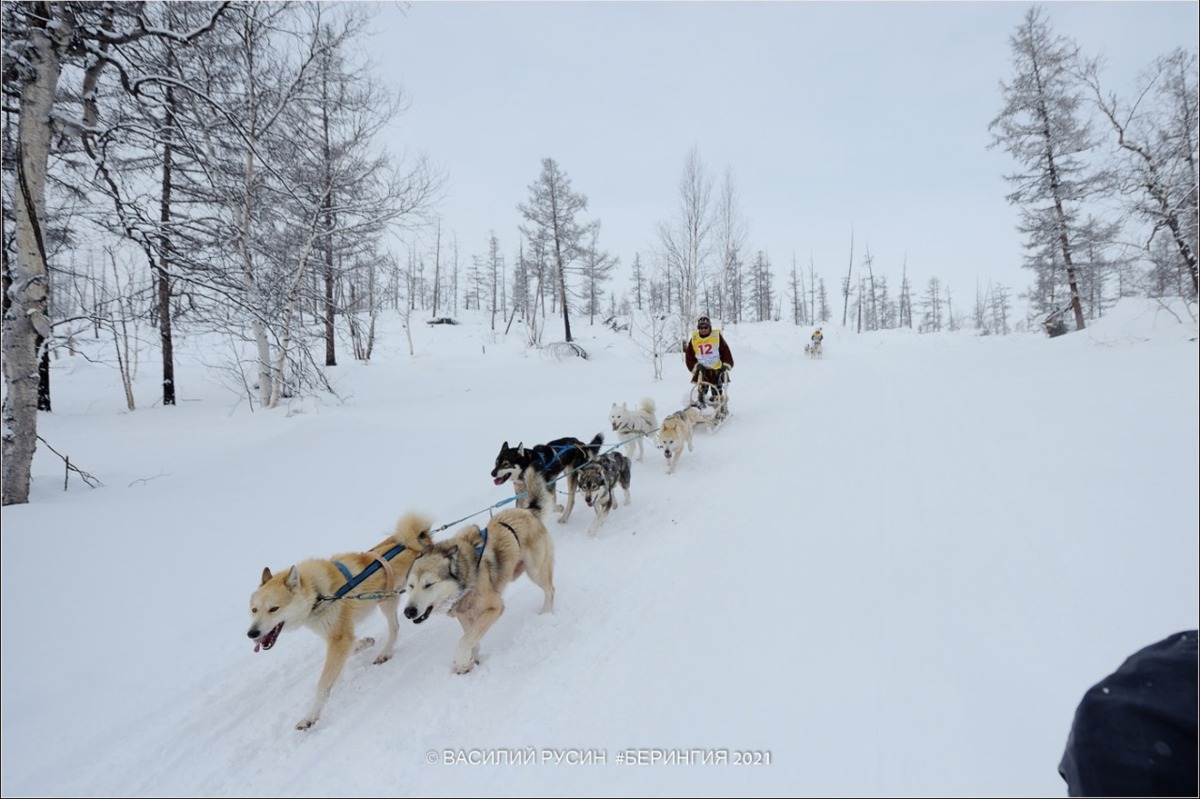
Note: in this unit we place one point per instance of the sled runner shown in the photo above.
(711, 400)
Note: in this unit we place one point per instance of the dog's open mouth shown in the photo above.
(267, 641)
(501, 479)
(423, 616)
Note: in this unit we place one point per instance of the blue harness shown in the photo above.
(354, 580)
(484, 535)
(482, 546)
(558, 451)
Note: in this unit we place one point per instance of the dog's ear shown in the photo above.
(266, 575)
(293, 578)
(504, 446)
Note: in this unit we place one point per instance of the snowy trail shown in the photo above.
(896, 569)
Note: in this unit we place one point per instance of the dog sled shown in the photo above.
(711, 400)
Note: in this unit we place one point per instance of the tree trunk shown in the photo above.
(26, 319)
(437, 270)
(1060, 216)
(162, 274)
(846, 289)
(1064, 242)
(562, 289)
(43, 398)
(291, 301)
(327, 215)
(250, 285)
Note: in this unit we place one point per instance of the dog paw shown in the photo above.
(460, 668)
(305, 724)
(383, 658)
(364, 643)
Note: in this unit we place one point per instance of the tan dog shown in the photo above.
(676, 430)
(307, 595)
(466, 575)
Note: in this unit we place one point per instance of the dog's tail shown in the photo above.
(648, 406)
(592, 449)
(538, 497)
(413, 531)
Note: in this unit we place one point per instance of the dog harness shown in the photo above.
(558, 452)
(463, 586)
(483, 544)
(381, 562)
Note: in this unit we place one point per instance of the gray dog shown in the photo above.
(598, 479)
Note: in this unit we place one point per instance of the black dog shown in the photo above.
(551, 460)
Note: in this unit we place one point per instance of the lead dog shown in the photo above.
(598, 481)
(632, 424)
(676, 430)
(551, 460)
(330, 596)
(466, 575)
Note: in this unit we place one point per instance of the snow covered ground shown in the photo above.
(895, 570)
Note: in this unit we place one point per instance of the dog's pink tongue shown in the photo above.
(257, 646)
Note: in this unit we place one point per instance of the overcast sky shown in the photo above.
(833, 117)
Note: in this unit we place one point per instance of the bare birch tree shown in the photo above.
(653, 335)
(732, 232)
(931, 322)
(847, 286)
(638, 280)
(687, 241)
(494, 277)
(42, 38)
(905, 300)
(437, 270)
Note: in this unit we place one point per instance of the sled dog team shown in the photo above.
(464, 576)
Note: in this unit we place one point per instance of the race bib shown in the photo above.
(708, 349)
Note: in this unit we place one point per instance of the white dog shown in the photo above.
(676, 431)
(633, 424)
